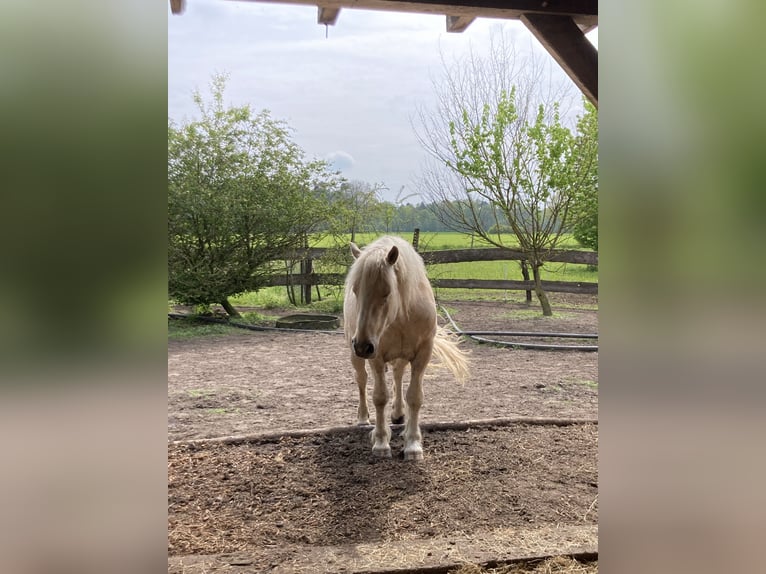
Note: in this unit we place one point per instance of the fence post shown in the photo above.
(416, 238)
(307, 268)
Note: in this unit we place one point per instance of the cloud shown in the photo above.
(340, 160)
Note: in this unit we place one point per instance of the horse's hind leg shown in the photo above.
(397, 412)
(413, 448)
(360, 374)
(381, 434)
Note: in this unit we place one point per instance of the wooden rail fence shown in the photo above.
(458, 256)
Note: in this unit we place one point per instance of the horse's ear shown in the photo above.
(393, 255)
(355, 251)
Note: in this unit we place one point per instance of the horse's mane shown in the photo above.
(409, 269)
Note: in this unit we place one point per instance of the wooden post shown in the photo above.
(177, 6)
(416, 238)
(307, 268)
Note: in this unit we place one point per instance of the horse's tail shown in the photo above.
(446, 349)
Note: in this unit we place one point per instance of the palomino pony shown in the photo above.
(390, 317)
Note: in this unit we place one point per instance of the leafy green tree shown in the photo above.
(387, 212)
(585, 226)
(357, 207)
(502, 156)
(240, 193)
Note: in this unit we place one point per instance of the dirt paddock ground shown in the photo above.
(321, 503)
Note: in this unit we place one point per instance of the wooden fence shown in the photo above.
(307, 280)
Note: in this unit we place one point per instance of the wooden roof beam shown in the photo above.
(584, 12)
(459, 23)
(177, 6)
(567, 43)
(327, 15)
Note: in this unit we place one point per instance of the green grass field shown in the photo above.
(435, 240)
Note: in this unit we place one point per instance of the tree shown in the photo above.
(585, 227)
(502, 157)
(240, 194)
(357, 207)
(316, 202)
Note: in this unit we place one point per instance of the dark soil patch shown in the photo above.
(267, 498)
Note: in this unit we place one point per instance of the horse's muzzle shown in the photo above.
(363, 349)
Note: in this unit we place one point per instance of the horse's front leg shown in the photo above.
(397, 412)
(413, 447)
(360, 374)
(381, 434)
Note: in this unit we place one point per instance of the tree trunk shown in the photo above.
(291, 290)
(289, 285)
(542, 296)
(525, 275)
(229, 309)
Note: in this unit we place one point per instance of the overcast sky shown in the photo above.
(348, 97)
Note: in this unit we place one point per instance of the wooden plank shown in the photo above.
(266, 437)
(478, 254)
(567, 43)
(584, 12)
(504, 284)
(551, 286)
(570, 7)
(457, 24)
(327, 15)
(302, 279)
(494, 254)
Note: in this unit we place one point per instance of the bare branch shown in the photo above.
(500, 156)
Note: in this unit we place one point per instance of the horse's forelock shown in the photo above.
(409, 272)
(367, 267)
(408, 268)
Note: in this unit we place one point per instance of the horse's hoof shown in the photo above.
(397, 420)
(363, 423)
(413, 450)
(413, 454)
(381, 452)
